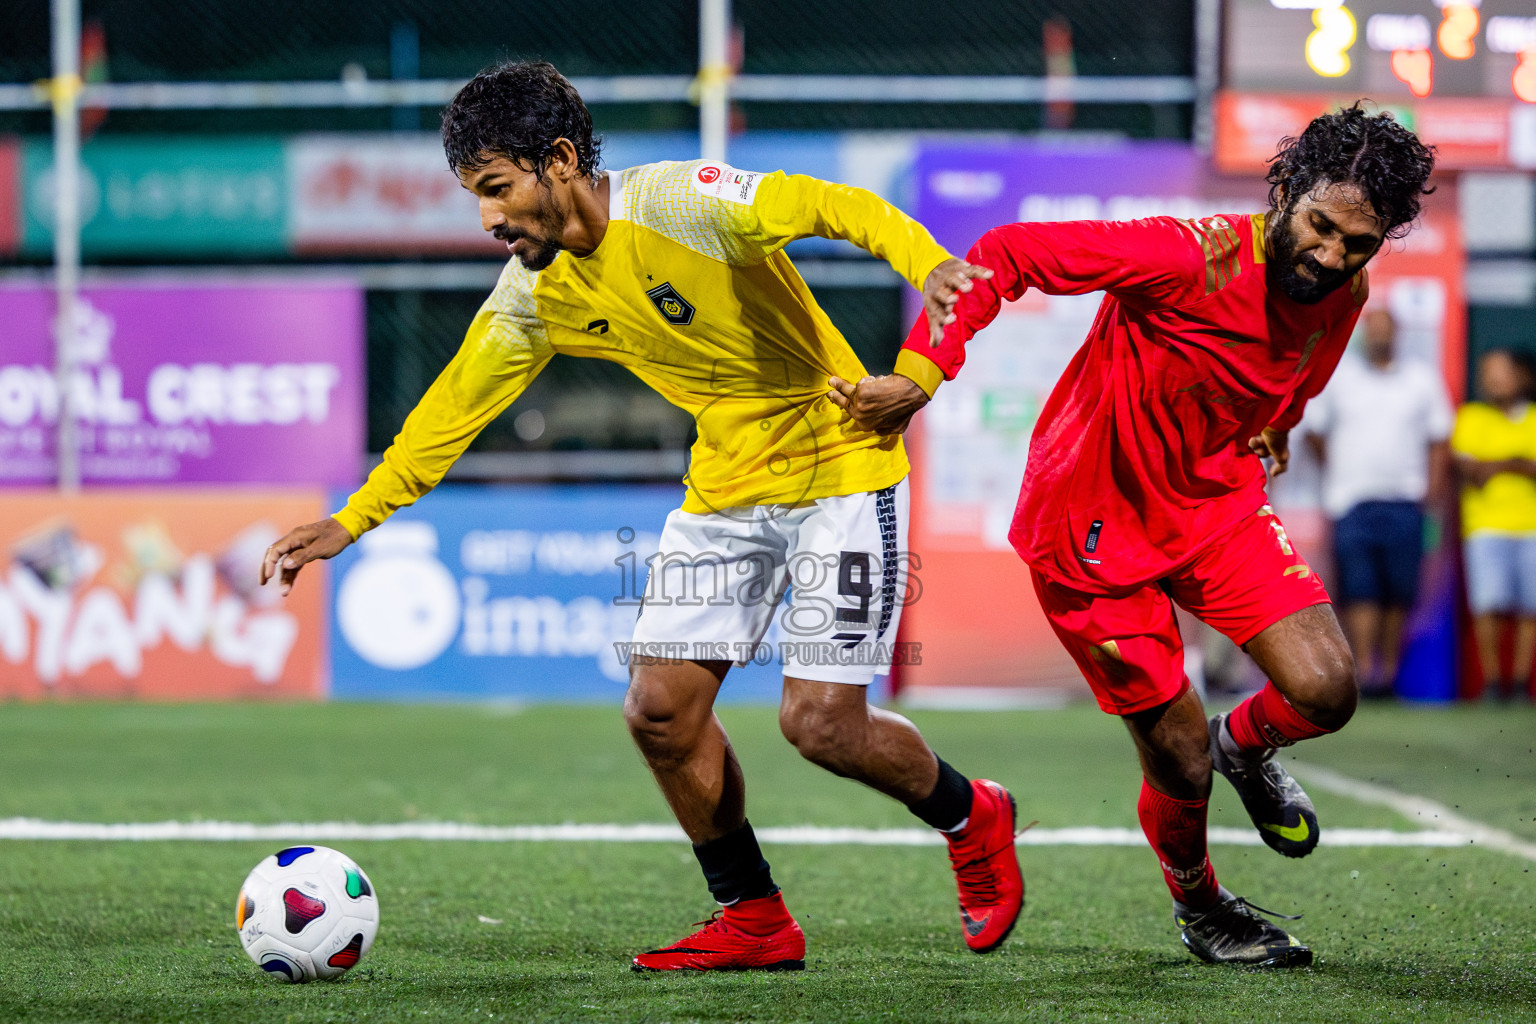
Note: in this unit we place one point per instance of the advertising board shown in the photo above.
(1468, 133)
(388, 193)
(507, 593)
(175, 383)
(152, 595)
(394, 194)
(150, 196)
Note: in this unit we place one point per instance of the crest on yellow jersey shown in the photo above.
(677, 310)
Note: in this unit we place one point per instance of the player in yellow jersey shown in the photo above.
(676, 271)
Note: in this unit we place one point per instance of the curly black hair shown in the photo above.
(518, 109)
(1373, 151)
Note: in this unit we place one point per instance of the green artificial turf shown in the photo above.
(97, 931)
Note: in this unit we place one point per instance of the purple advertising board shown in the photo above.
(189, 383)
(964, 190)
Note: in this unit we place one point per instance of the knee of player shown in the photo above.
(816, 735)
(652, 720)
(1327, 693)
(1343, 696)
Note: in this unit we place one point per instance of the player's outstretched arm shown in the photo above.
(302, 544)
(942, 289)
(1156, 261)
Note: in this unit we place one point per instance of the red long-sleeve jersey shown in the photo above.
(1140, 455)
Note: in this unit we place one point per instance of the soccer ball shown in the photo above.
(307, 912)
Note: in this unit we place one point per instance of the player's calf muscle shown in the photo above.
(878, 748)
(1174, 747)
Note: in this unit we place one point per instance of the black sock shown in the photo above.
(734, 867)
(950, 802)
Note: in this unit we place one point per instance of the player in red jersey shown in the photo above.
(1145, 485)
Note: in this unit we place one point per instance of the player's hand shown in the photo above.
(1274, 445)
(884, 405)
(942, 290)
(302, 544)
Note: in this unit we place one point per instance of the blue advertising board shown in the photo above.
(505, 593)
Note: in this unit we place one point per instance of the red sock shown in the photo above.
(1176, 830)
(1267, 720)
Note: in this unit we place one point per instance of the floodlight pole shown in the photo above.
(714, 82)
(1207, 72)
(65, 93)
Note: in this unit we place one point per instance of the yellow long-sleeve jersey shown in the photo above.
(689, 289)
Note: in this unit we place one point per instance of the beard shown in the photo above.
(539, 250)
(1285, 270)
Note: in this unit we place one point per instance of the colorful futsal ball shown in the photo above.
(307, 912)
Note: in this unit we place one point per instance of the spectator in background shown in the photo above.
(1495, 447)
(1380, 429)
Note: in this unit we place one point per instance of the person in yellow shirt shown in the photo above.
(1494, 442)
(677, 272)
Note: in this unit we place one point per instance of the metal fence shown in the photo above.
(403, 41)
(282, 40)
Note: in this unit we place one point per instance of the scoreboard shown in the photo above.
(1387, 49)
(1462, 73)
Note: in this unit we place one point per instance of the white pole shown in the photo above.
(1207, 71)
(714, 78)
(66, 226)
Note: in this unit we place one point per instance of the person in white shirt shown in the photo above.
(1380, 430)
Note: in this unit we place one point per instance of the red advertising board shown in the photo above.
(152, 595)
(391, 194)
(1468, 133)
(10, 196)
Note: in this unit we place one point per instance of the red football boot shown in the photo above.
(987, 868)
(752, 935)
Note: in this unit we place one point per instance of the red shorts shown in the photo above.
(1127, 642)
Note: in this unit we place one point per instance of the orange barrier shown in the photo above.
(151, 594)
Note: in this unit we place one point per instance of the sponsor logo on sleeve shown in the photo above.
(721, 182)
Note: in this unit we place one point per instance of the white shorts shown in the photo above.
(1501, 573)
(718, 581)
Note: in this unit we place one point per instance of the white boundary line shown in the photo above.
(1419, 809)
(801, 835)
(1446, 828)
